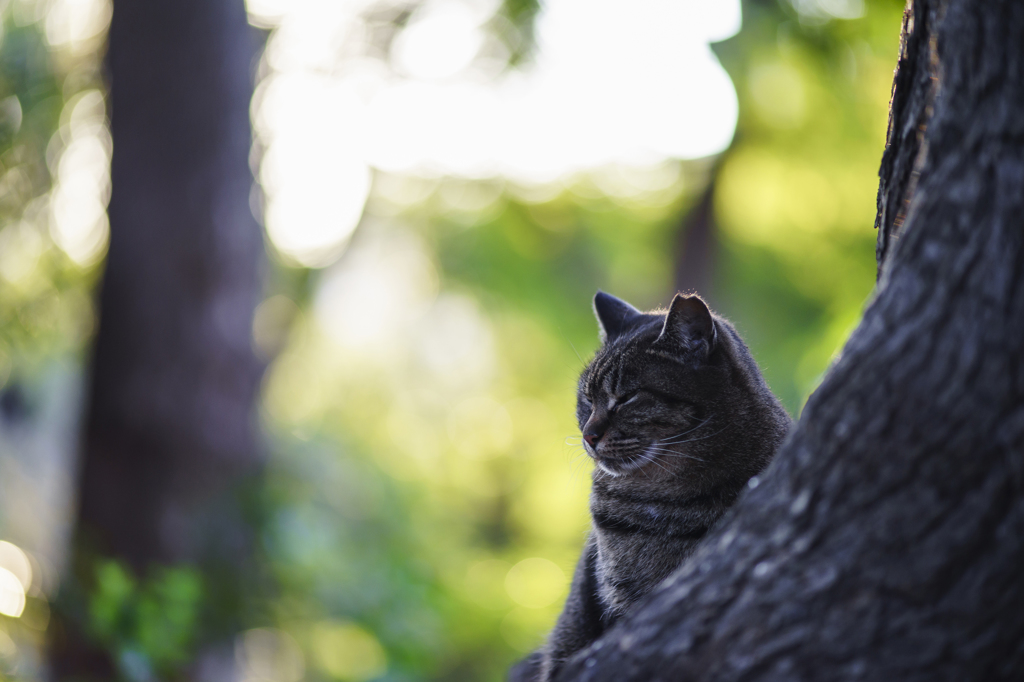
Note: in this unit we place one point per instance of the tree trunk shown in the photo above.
(170, 426)
(697, 245)
(886, 542)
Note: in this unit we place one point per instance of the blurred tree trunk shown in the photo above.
(886, 542)
(697, 245)
(170, 433)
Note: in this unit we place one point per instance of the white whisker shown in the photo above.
(671, 440)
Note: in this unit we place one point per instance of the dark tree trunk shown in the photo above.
(697, 246)
(886, 542)
(170, 426)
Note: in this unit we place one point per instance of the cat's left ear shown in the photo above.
(614, 316)
(689, 323)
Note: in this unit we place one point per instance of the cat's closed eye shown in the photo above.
(625, 400)
(629, 398)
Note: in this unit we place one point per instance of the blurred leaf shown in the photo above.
(147, 625)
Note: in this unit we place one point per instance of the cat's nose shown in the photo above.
(593, 430)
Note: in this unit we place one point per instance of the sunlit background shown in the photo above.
(443, 186)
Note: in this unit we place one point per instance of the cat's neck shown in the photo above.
(677, 511)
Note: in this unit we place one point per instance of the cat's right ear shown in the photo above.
(689, 324)
(614, 316)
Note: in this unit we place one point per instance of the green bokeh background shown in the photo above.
(421, 516)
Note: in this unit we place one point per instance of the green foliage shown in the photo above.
(46, 313)
(456, 524)
(796, 192)
(149, 626)
(515, 28)
(418, 481)
(45, 307)
(415, 501)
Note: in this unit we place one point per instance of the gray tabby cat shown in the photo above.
(677, 417)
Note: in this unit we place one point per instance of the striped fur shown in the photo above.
(677, 417)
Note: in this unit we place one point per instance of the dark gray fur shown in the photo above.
(678, 418)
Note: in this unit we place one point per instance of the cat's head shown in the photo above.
(674, 394)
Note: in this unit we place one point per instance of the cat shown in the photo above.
(677, 418)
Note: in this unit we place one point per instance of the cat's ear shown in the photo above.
(689, 324)
(614, 316)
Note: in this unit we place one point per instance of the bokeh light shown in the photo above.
(382, 288)
(12, 594)
(605, 87)
(77, 25)
(81, 191)
(348, 652)
(14, 559)
(269, 655)
(535, 583)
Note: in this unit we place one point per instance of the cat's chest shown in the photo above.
(630, 565)
(641, 539)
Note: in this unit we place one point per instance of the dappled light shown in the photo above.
(76, 25)
(16, 562)
(12, 594)
(378, 293)
(347, 652)
(272, 655)
(16, 581)
(535, 583)
(82, 179)
(440, 40)
(603, 88)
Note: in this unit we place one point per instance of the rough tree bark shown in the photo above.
(886, 542)
(170, 426)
